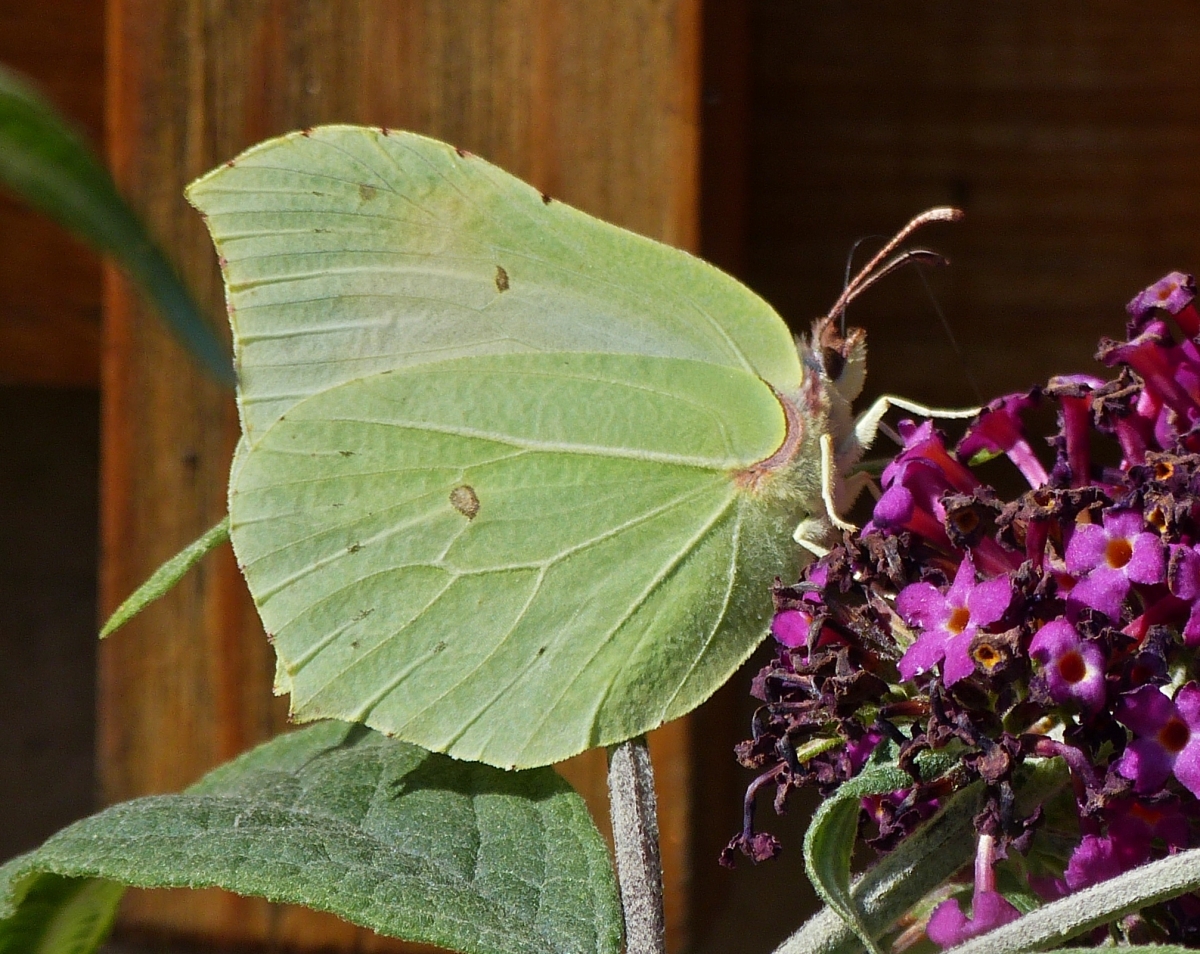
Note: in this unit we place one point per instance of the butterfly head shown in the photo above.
(835, 361)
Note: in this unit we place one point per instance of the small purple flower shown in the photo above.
(1134, 825)
(913, 485)
(1111, 557)
(950, 620)
(1172, 293)
(1183, 580)
(859, 751)
(1168, 738)
(949, 927)
(1074, 394)
(793, 622)
(1072, 667)
(998, 430)
(1095, 859)
(790, 627)
(924, 442)
(1155, 357)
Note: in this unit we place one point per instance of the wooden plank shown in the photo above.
(604, 117)
(49, 283)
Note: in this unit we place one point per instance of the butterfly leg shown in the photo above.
(866, 425)
(836, 461)
(813, 532)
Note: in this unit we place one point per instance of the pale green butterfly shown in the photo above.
(513, 482)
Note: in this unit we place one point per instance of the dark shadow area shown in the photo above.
(48, 541)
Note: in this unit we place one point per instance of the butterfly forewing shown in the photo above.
(488, 499)
(348, 251)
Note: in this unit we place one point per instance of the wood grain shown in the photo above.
(49, 283)
(594, 104)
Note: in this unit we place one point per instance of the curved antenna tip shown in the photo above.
(941, 213)
(872, 271)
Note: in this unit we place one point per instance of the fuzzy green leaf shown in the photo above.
(898, 881)
(494, 491)
(1049, 926)
(46, 163)
(1129, 949)
(830, 839)
(921, 863)
(163, 579)
(383, 834)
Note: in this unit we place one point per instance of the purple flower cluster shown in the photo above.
(1059, 622)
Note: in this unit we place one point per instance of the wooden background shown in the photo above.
(770, 134)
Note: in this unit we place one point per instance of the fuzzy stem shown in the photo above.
(635, 838)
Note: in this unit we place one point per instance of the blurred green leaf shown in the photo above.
(60, 915)
(46, 163)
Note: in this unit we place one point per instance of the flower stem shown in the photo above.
(635, 838)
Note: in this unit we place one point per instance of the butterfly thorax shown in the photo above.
(791, 477)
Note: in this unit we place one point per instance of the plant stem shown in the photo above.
(635, 838)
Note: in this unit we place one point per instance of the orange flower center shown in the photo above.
(958, 620)
(988, 656)
(1072, 667)
(1118, 553)
(1174, 735)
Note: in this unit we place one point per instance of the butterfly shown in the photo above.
(513, 482)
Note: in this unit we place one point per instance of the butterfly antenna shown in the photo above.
(877, 267)
(849, 265)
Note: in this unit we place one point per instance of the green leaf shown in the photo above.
(1049, 926)
(385, 835)
(166, 576)
(832, 834)
(49, 165)
(59, 915)
(922, 862)
(1130, 949)
(509, 486)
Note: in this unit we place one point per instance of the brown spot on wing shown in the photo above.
(501, 279)
(463, 500)
(367, 192)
